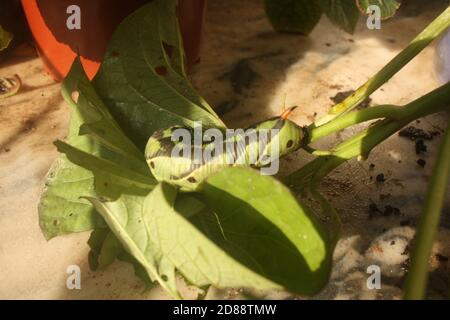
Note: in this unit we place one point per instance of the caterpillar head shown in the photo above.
(288, 137)
(291, 136)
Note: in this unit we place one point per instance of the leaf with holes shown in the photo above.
(61, 211)
(142, 76)
(99, 158)
(94, 165)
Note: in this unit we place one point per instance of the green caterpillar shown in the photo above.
(188, 175)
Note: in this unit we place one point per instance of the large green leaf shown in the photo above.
(5, 38)
(61, 211)
(96, 145)
(142, 79)
(387, 7)
(343, 13)
(102, 151)
(152, 231)
(256, 235)
(265, 228)
(105, 247)
(293, 15)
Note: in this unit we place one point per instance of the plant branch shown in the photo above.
(363, 142)
(417, 277)
(377, 112)
(431, 32)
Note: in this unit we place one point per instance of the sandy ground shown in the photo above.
(308, 70)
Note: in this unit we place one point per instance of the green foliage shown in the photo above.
(241, 229)
(255, 234)
(105, 155)
(302, 15)
(151, 226)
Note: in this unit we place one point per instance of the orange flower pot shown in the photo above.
(58, 46)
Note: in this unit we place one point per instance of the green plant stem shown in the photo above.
(431, 32)
(432, 102)
(377, 112)
(317, 152)
(385, 111)
(363, 142)
(417, 277)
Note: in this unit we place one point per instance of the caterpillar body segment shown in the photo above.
(186, 166)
